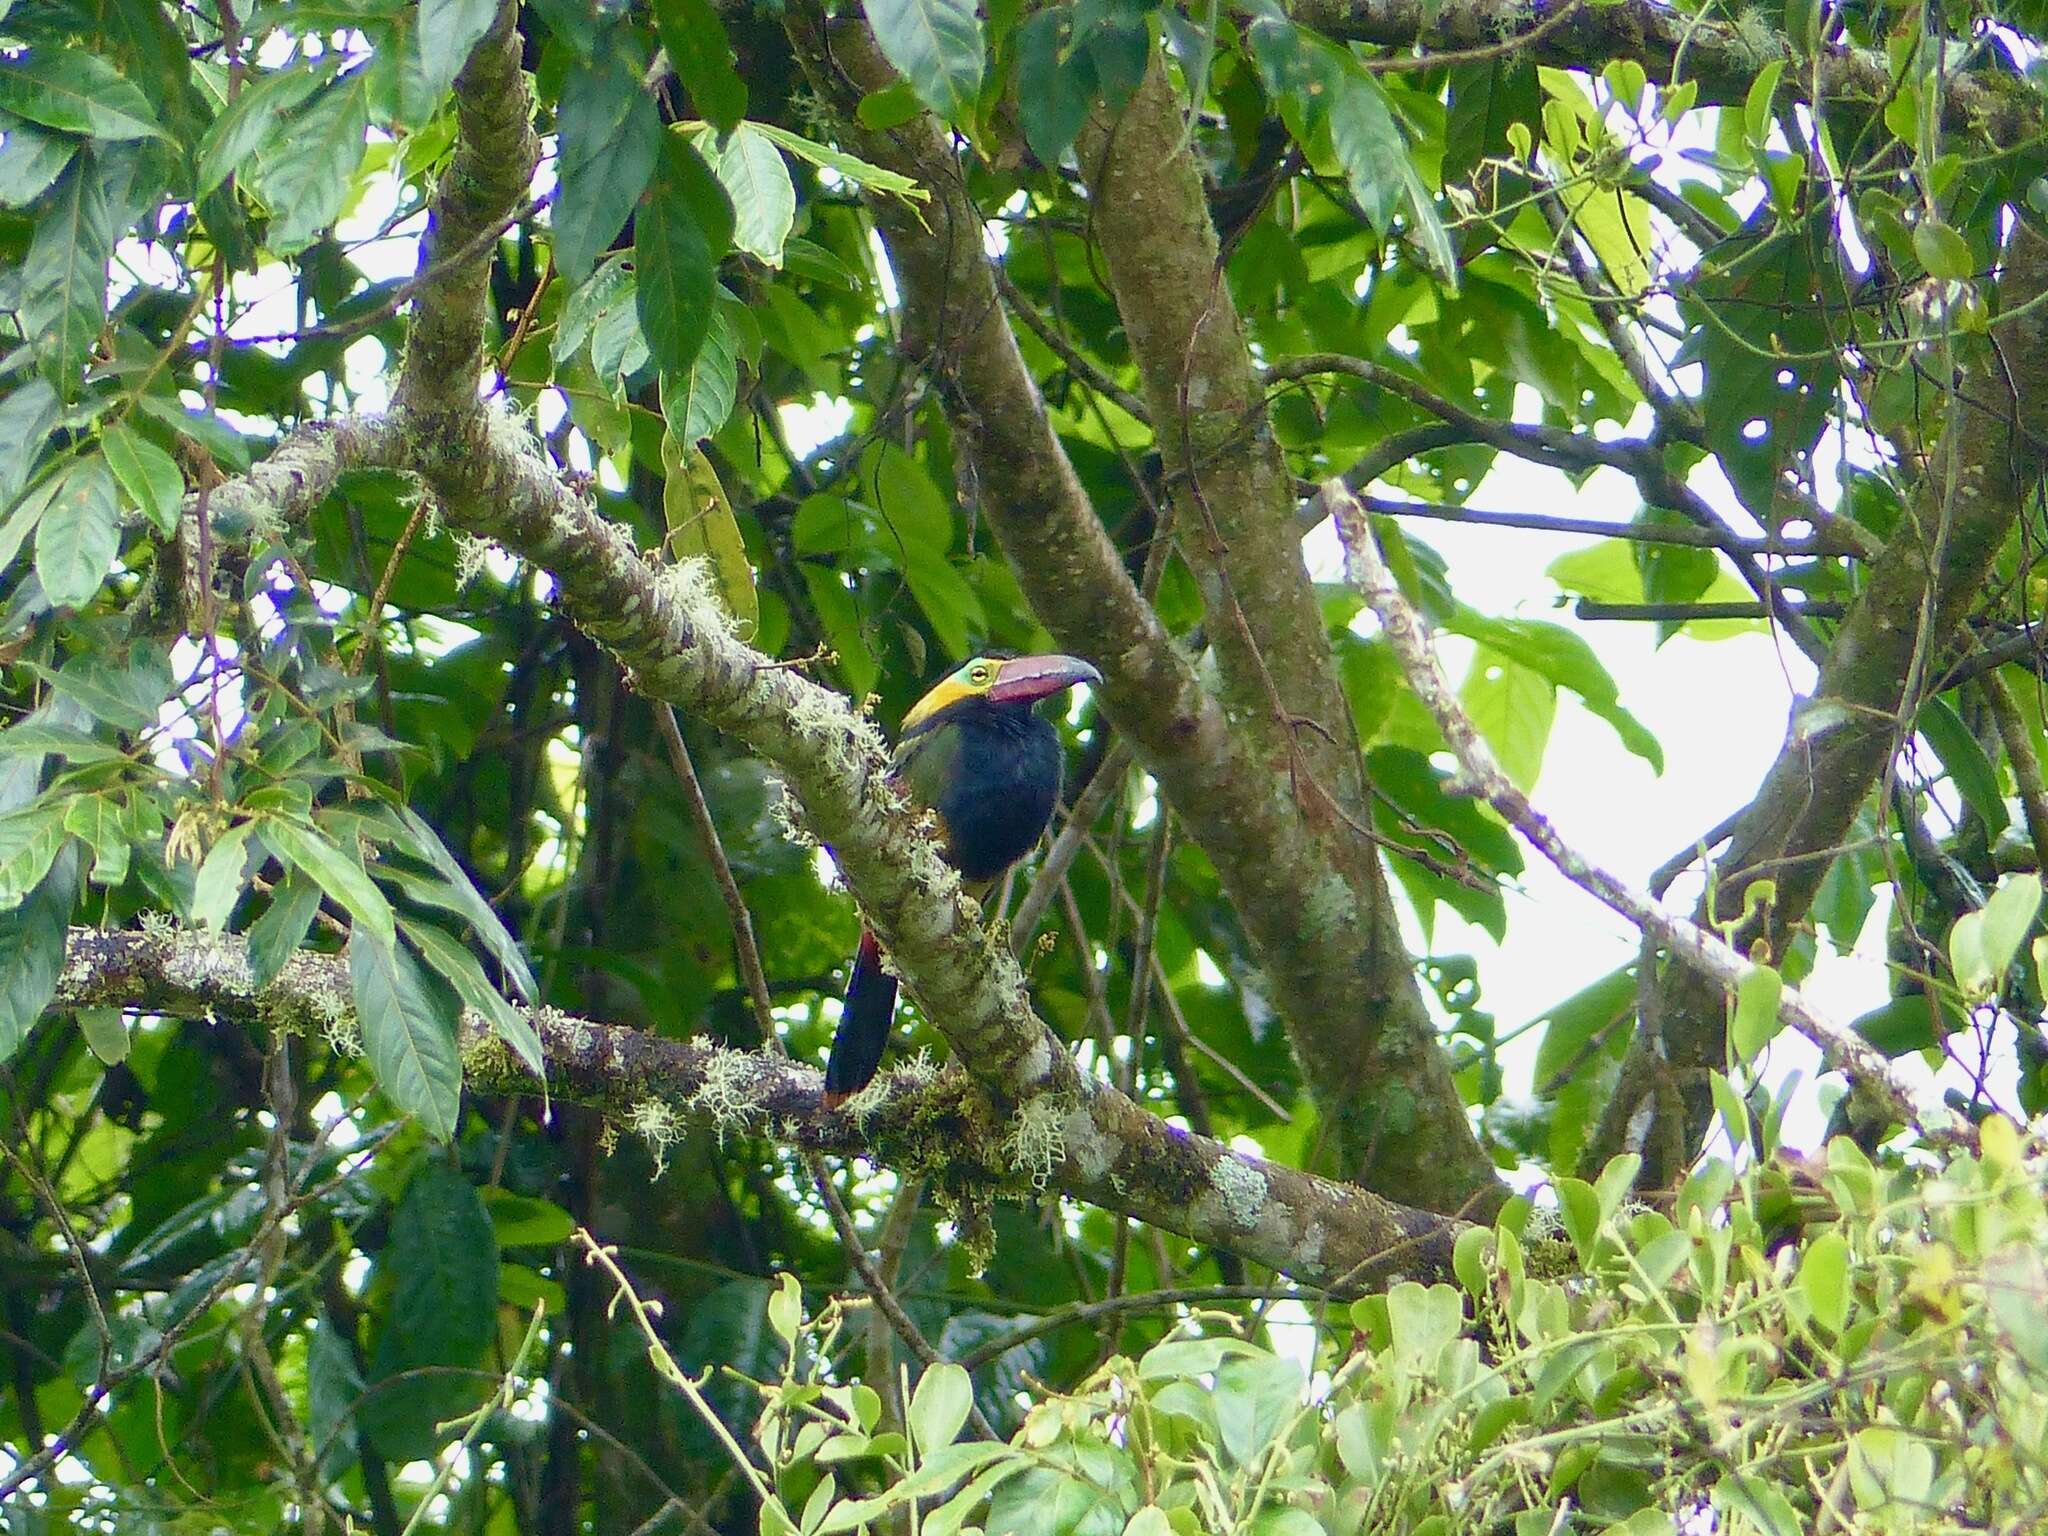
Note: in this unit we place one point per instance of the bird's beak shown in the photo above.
(1027, 679)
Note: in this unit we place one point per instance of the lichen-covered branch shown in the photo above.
(1339, 973)
(1093, 1144)
(495, 154)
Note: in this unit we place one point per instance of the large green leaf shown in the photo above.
(257, 114)
(461, 897)
(148, 474)
(610, 137)
(1055, 84)
(937, 46)
(461, 971)
(79, 535)
(30, 162)
(26, 416)
(448, 30)
(127, 695)
(695, 39)
(32, 952)
(408, 1020)
(697, 405)
(441, 1264)
(29, 841)
(64, 275)
(684, 225)
(752, 171)
(305, 847)
(77, 91)
(307, 163)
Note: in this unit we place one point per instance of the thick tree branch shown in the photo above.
(489, 177)
(1105, 1150)
(1675, 44)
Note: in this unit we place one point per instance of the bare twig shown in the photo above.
(1410, 640)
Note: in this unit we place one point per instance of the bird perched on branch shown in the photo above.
(977, 753)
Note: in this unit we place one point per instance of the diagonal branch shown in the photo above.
(1706, 956)
(1901, 630)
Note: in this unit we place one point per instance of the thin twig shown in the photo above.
(1412, 645)
(1052, 869)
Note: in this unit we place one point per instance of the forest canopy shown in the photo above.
(483, 486)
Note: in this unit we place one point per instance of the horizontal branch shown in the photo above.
(1098, 1146)
(1671, 43)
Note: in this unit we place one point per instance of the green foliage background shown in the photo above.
(272, 1276)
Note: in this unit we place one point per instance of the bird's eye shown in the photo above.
(979, 674)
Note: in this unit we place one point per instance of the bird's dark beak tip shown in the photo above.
(1039, 677)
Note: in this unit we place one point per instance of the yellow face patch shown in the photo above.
(965, 682)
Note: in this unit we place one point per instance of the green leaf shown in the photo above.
(460, 969)
(32, 938)
(1943, 252)
(912, 509)
(79, 535)
(1824, 1280)
(408, 1023)
(1257, 1396)
(76, 91)
(695, 39)
(610, 136)
(72, 745)
(29, 841)
(106, 1033)
(30, 162)
(1513, 707)
(938, 1408)
(468, 903)
(64, 275)
(448, 32)
(1757, 106)
(304, 846)
(334, 1385)
(698, 405)
(751, 170)
(277, 934)
(256, 115)
(1189, 1357)
(937, 46)
(219, 884)
(1565, 658)
(148, 474)
(683, 227)
(1983, 943)
(26, 417)
(852, 167)
(1055, 88)
(127, 696)
(1975, 779)
(441, 1264)
(306, 167)
(701, 525)
(1755, 1024)
(101, 822)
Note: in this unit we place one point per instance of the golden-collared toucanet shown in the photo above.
(976, 751)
